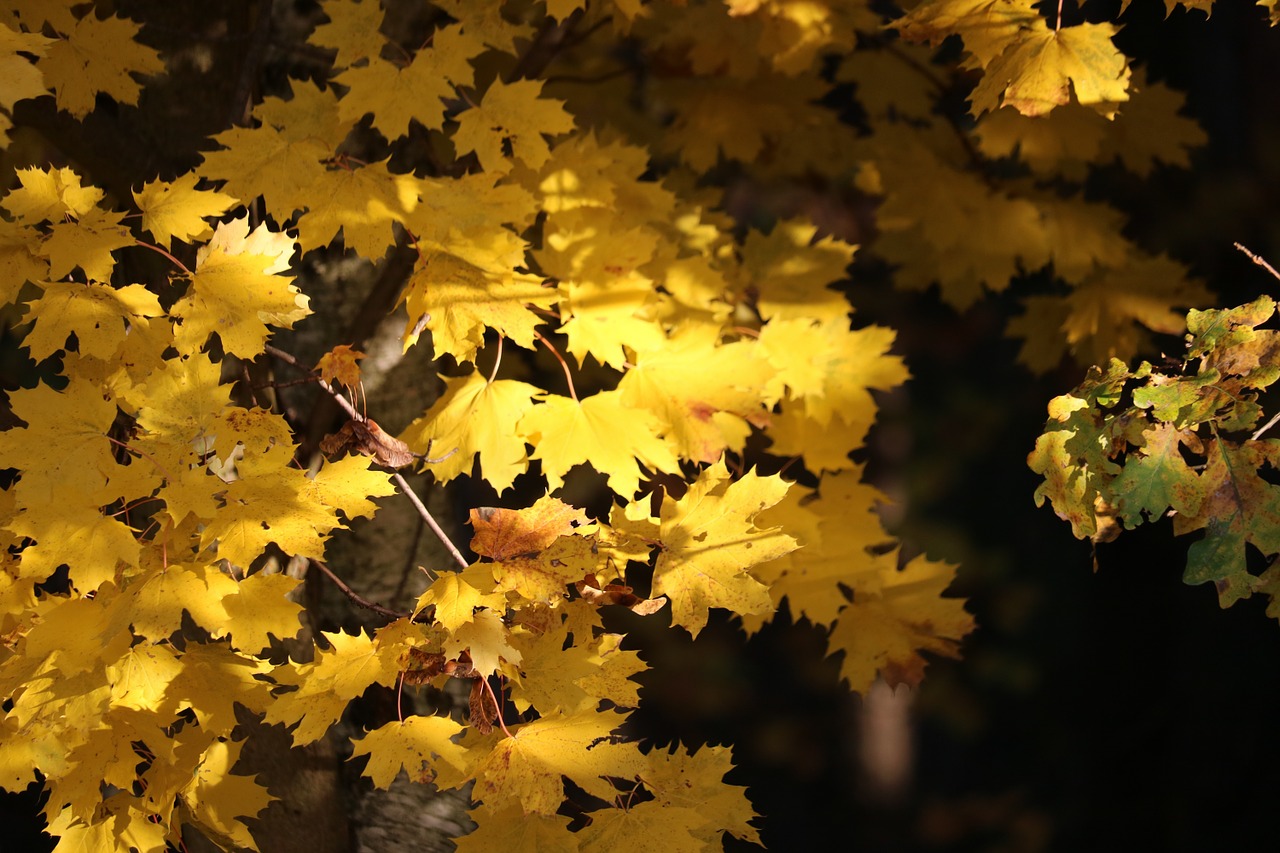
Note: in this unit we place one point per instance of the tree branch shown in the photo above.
(354, 596)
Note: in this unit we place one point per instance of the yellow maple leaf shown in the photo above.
(213, 680)
(281, 159)
(986, 26)
(461, 299)
(352, 30)
(259, 609)
(412, 744)
(883, 633)
(455, 599)
(601, 431)
(97, 55)
(474, 416)
(710, 542)
(397, 95)
(218, 798)
(97, 314)
(528, 767)
(635, 829)
(141, 677)
(179, 210)
(336, 676)
(485, 638)
(236, 290)
(50, 194)
(511, 114)
(511, 830)
(86, 243)
(680, 779)
(792, 271)
(706, 410)
(1042, 68)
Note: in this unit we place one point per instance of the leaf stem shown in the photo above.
(493, 374)
(567, 375)
(153, 247)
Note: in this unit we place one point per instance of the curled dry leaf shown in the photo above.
(368, 438)
(615, 593)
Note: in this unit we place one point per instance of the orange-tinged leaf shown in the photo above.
(710, 541)
(339, 365)
(413, 745)
(502, 533)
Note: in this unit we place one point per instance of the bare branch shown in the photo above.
(354, 596)
(1258, 259)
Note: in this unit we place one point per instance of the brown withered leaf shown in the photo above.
(504, 533)
(483, 709)
(616, 593)
(368, 438)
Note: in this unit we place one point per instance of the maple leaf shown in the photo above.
(327, 684)
(511, 830)
(485, 638)
(684, 780)
(455, 598)
(461, 299)
(258, 609)
(412, 745)
(503, 533)
(217, 798)
(415, 92)
(474, 416)
(50, 194)
(633, 829)
(364, 203)
(986, 26)
(1042, 68)
(707, 410)
(179, 210)
(86, 243)
(884, 633)
(709, 543)
(339, 365)
(600, 431)
(95, 313)
(511, 114)
(237, 292)
(97, 55)
(280, 160)
(352, 30)
(528, 767)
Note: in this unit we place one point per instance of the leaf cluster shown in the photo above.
(1184, 441)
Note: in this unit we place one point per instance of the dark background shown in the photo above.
(1105, 711)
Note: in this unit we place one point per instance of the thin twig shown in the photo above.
(1258, 259)
(431, 522)
(1268, 425)
(399, 480)
(356, 597)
